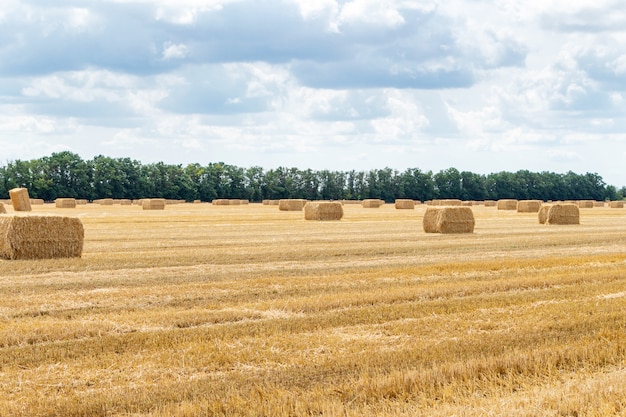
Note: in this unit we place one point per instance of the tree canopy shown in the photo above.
(65, 174)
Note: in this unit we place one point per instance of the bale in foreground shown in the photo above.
(40, 237)
(323, 210)
(563, 214)
(448, 220)
(20, 199)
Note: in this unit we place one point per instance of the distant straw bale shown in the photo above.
(467, 203)
(507, 204)
(125, 202)
(565, 213)
(529, 206)
(65, 203)
(448, 219)
(404, 204)
(585, 204)
(490, 203)
(153, 204)
(37, 202)
(372, 203)
(291, 204)
(351, 201)
(40, 237)
(616, 204)
(221, 202)
(81, 201)
(2, 209)
(323, 210)
(448, 202)
(234, 202)
(598, 203)
(20, 199)
(104, 201)
(543, 213)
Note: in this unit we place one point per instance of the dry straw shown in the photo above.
(598, 203)
(65, 203)
(20, 199)
(529, 206)
(36, 202)
(447, 202)
(563, 213)
(153, 204)
(40, 237)
(291, 204)
(490, 203)
(543, 213)
(221, 202)
(104, 201)
(586, 204)
(323, 210)
(2, 209)
(507, 204)
(448, 220)
(405, 204)
(616, 204)
(372, 203)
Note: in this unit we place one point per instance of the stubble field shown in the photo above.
(202, 310)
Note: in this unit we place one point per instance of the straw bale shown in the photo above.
(104, 201)
(490, 203)
(529, 206)
(291, 204)
(448, 202)
(507, 204)
(323, 210)
(36, 202)
(234, 202)
(351, 201)
(543, 213)
(598, 203)
(40, 237)
(65, 203)
(402, 204)
(153, 204)
(20, 199)
(125, 202)
(467, 203)
(197, 201)
(220, 202)
(585, 204)
(81, 201)
(2, 209)
(616, 204)
(565, 213)
(372, 203)
(449, 219)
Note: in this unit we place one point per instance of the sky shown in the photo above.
(481, 86)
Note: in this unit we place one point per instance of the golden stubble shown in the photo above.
(248, 311)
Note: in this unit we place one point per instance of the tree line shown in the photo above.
(65, 174)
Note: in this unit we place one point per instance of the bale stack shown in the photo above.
(153, 204)
(40, 237)
(616, 204)
(372, 203)
(585, 204)
(563, 213)
(291, 204)
(65, 203)
(451, 219)
(20, 199)
(506, 204)
(404, 204)
(529, 206)
(323, 210)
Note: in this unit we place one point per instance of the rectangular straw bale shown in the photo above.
(291, 204)
(404, 204)
(616, 204)
(449, 219)
(448, 202)
(566, 213)
(598, 203)
(351, 201)
(2, 209)
(585, 204)
(234, 202)
(529, 206)
(153, 204)
(20, 199)
(372, 203)
(490, 203)
(104, 201)
(323, 210)
(221, 202)
(543, 213)
(506, 204)
(40, 237)
(65, 203)
(125, 202)
(467, 203)
(81, 201)
(37, 202)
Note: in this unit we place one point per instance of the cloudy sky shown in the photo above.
(479, 85)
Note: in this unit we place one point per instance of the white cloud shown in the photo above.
(174, 51)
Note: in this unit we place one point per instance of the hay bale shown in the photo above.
(81, 202)
(529, 206)
(585, 204)
(404, 204)
(221, 202)
(448, 202)
(542, 214)
(37, 202)
(153, 204)
(2, 209)
(490, 203)
(565, 213)
(372, 203)
(506, 204)
(450, 219)
(20, 199)
(291, 204)
(65, 203)
(323, 210)
(467, 203)
(351, 202)
(104, 201)
(598, 203)
(40, 237)
(616, 204)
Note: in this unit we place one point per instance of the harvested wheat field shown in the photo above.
(204, 310)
